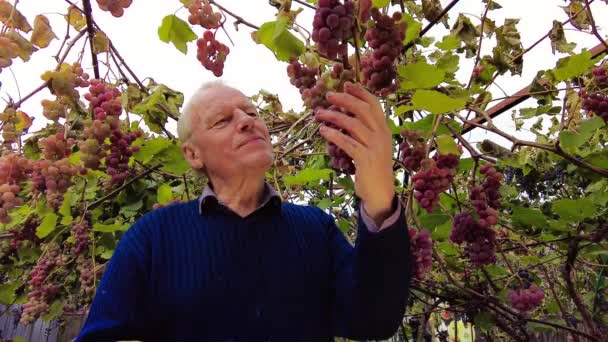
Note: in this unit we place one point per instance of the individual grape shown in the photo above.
(53, 178)
(421, 253)
(412, 150)
(385, 39)
(53, 110)
(596, 104)
(116, 7)
(526, 299)
(477, 71)
(212, 53)
(80, 232)
(56, 146)
(332, 27)
(434, 178)
(340, 75)
(201, 13)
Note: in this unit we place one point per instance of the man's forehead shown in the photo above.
(213, 100)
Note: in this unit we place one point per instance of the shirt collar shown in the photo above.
(209, 197)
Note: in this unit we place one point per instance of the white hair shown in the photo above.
(184, 123)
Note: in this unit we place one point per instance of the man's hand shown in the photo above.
(369, 145)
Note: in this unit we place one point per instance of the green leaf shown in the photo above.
(425, 125)
(449, 42)
(108, 228)
(154, 107)
(570, 141)
(18, 339)
(173, 160)
(446, 248)
(54, 310)
(324, 203)
(447, 145)
(380, 3)
(176, 31)
(442, 231)
(539, 327)
(343, 225)
(599, 159)
(574, 210)
(413, 29)
(164, 194)
(436, 102)
(573, 66)
(276, 37)
(420, 75)
(308, 176)
(7, 292)
(48, 224)
(484, 320)
(528, 217)
(430, 221)
(151, 148)
(66, 209)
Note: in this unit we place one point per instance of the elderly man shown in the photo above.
(238, 264)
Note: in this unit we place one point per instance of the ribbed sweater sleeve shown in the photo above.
(370, 282)
(118, 310)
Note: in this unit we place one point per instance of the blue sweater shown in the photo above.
(283, 273)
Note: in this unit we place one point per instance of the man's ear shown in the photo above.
(192, 155)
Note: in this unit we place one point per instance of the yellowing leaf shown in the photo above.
(447, 145)
(12, 18)
(25, 49)
(24, 121)
(76, 18)
(43, 33)
(101, 43)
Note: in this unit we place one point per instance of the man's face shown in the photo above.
(228, 137)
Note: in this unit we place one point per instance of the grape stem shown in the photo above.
(91, 31)
(593, 26)
(239, 20)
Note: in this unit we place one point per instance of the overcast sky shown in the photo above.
(251, 67)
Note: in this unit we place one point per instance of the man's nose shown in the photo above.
(245, 121)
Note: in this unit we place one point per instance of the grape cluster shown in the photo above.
(480, 240)
(332, 26)
(80, 232)
(486, 198)
(158, 205)
(8, 50)
(86, 275)
(65, 81)
(117, 162)
(600, 76)
(596, 104)
(201, 13)
(13, 170)
(38, 303)
(412, 150)
(53, 178)
(301, 76)
(53, 110)
(56, 146)
(104, 100)
(421, 253)
(526, 299)
(26, 233)
(339, 159)
(386, 40)
(434, 177)
(340, 75)
(600, 233)
(212, 53)
(116, 7)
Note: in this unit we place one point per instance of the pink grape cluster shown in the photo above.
(434, 177)
(600, 76)
(53, 178)
(526, 299)
(26, 233)
(340, 75)
(116, 7)
(596, 104)
(117, 161)
(486, 198)
(56, 146)
(13, 170)
(86, 275)
(80, 232)
(8, 200)
(421, 253)
(412, 150)
(480, 241)
(300, 75)
(212, 53)
(201, 13)
(332, 27)
(386, 40)
(38, 303)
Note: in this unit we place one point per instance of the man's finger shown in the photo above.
(354, 105)
(351, 146)
(356, 90)
(352, 125)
